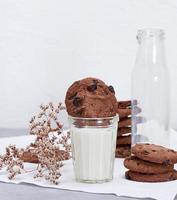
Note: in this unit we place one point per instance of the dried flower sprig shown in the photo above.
(11, 161)
(50, 156)
(48, 149)
(48, 159)
(47, 120)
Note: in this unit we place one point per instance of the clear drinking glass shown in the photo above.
(93, 148)
(150, 90)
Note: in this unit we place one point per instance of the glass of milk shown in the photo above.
(93, 148)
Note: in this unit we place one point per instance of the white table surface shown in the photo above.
(29, 192)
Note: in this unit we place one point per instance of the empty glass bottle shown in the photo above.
(150, 90)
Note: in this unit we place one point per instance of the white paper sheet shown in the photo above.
(119, 185)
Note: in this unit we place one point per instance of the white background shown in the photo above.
(47, 44)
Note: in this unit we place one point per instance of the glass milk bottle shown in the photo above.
(150, 90)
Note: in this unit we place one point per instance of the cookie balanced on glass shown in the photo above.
(92, 110)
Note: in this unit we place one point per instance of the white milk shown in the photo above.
(93, 153)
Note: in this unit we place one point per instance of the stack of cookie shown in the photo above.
(151, 163)
(123, 146)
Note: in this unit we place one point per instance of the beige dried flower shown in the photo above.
(12, 162)
(48, 150)
(46, 121)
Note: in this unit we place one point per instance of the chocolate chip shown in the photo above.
(166, 162)
(127, 176)
(77, 101)
(92, 88)
(95, 81)
(146, 152)
(171, 150)
(111, 89)
(72, 96)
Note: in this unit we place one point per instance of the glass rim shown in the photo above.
(95, 118)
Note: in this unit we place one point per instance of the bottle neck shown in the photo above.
(151, 50)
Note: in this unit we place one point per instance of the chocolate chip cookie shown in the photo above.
(137, 165)
(124, 122)
(140, 177)
(28, 156)
(124, 140)
(123, 151)
(124, 104)
(155, 153)
(123, 130)
(91, 98)
(124, 112)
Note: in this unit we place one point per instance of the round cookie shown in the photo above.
(136, 165)
(155, 153)
(124, 140)
(127, 121)
(124, 122)
(91, 98)
(123, 131)
(27, 156)
(123, 152)
(135, 176)
(127, 103)
(124, 112)
(124, 104)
